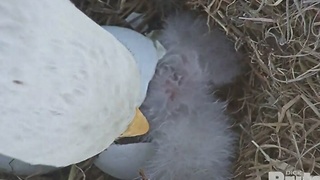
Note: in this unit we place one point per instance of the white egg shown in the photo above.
(17, 167)
(124, 161)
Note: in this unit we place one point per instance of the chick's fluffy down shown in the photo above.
(215, 53)
(189, 127)
(193, 144)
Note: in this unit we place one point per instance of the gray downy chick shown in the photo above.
(188, 124)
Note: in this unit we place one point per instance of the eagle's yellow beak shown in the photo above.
(138, 126)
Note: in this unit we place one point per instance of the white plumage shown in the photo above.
(68, 88)
(189, 127)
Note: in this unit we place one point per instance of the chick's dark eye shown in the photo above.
(175, 77)
(165, 68)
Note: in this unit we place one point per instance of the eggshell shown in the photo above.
(21, 168)
(124, 161)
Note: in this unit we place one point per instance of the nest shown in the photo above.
(280, 105)
(280, 93)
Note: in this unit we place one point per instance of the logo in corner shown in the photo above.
(291, 175)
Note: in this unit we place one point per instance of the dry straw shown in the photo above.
(280, 103)
(281, 90)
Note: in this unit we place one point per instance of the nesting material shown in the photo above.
(278, 108)
(114, 12)
(281, 89)
(281, 98)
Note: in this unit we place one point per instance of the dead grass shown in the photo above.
(280, 97)
(281, 91)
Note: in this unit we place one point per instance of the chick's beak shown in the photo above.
(138, 126)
